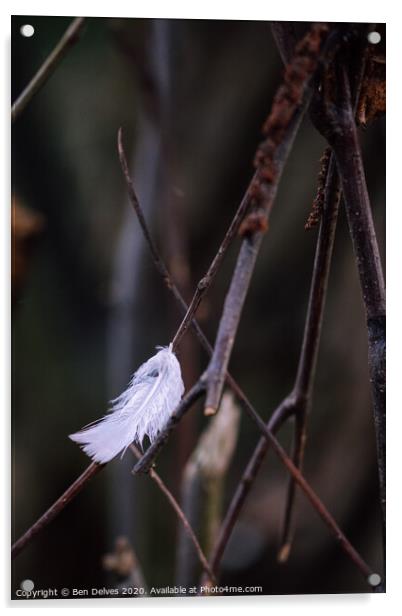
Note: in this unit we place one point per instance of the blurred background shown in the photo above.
(89, 307)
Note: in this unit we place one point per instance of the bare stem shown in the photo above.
(303, 387)
(299, 443)
(319, 283)
(69, 38)
(337, 123)
(58, 506)
(180, 514)
(350, 163)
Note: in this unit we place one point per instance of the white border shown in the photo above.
(303, 10)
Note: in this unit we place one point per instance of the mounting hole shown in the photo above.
(374, 38)
(27, 585)
(27, 30)
(374, 579)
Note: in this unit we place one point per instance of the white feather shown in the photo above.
(141, 410)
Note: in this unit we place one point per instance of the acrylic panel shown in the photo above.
(198, 308)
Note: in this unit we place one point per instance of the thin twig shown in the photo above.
(299, 443)
(69, 38)
(311, 338)
(319, 283)
(289, 105)
(180, 514)
(58, 506)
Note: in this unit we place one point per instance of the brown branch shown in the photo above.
(319, 283)
(299, 443)
(69, 38)
(58, 506)
(325, 200)
(311, 338)
(289, 105)
(341, 133)
(180, 514)
(335, 119)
